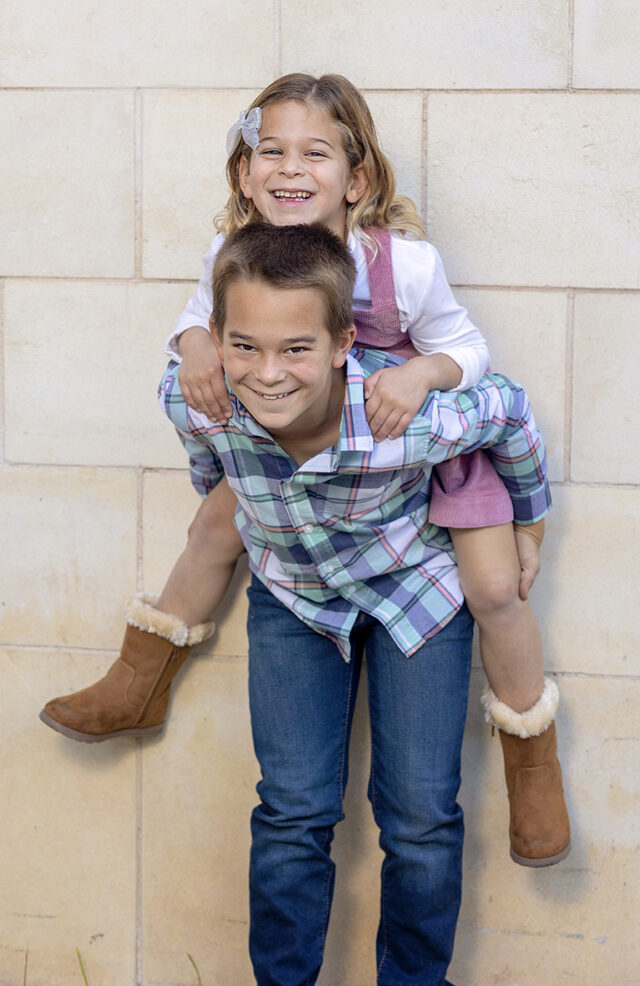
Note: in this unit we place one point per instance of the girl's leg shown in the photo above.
(201, 575)
(133, 697)
(510, 642)
(521, 703)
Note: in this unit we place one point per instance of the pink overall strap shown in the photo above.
(379, 327)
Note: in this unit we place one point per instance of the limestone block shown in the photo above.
(198, 788)
(141, 44)
(169, 506)
(544, 192)
(398, 120)
(574, 920)
(184, 180)
(69, 555)
(69, 832)
(605, 44)
(585, 595)
(526, 333)
(83, 362)
(430, 45)
(67, 194)
(606, 357)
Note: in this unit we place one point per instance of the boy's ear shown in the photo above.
(216, 339)
(358, 184)
(343, 346)
(243, 177)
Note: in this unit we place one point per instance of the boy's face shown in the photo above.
(280, 360)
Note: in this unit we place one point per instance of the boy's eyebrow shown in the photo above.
(294, 340)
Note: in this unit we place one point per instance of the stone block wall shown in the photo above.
(516, 127)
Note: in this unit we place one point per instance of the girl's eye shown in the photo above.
(270, 151)
(317, 154)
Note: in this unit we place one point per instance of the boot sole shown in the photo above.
(545, 861)
(92, 737)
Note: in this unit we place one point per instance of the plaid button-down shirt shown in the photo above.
(348, 530)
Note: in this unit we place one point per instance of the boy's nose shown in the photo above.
(270, 370)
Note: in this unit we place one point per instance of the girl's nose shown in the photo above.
(291, 164)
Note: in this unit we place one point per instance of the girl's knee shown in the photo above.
(213, 524)
(495, 591)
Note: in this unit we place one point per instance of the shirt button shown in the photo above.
(308, 528)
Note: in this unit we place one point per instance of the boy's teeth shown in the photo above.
(274, 397)
(292, 195)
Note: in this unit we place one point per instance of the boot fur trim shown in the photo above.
(141, 613)
(523, 724)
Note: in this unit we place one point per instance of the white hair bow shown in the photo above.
(245, 127)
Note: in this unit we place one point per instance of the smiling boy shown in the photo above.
(343, 558)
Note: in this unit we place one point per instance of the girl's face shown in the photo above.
(300, 173)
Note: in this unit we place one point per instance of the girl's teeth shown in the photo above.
(292, 195)
(273, 397)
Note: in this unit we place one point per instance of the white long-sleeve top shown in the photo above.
(428, 311)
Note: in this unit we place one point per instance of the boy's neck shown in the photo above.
(304, 445)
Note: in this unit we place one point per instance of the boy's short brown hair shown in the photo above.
(304, 256)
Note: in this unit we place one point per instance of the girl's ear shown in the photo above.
(358, 184)
(243, 177)
(343, 346)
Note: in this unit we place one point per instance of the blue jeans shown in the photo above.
(302, 696)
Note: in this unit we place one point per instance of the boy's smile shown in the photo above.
(300, 173)
(282, 363)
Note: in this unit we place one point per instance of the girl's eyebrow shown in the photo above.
(315, 140)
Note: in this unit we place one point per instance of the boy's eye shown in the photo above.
(244, 347)
(298, 349)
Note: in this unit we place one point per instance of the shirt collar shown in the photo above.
(355, 434)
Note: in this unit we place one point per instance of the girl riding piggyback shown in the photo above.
(306, 151)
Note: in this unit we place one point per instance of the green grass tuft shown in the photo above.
(196, 968)
(84, 975)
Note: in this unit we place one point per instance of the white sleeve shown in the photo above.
(436, 323)
(198, 308)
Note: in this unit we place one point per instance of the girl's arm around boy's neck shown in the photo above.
(201, 376)
(395, 395)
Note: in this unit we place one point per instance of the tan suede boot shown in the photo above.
(132, 698)
(539, 824)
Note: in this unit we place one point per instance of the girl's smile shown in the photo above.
(300, 173)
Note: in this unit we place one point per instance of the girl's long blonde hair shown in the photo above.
(379, 206)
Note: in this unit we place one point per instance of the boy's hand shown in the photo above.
(200, 376)
(528, 541)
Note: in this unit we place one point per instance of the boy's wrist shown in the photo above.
(535, 531)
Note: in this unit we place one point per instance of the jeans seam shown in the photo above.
(327, 840)
(345, 727)
(383, 909)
